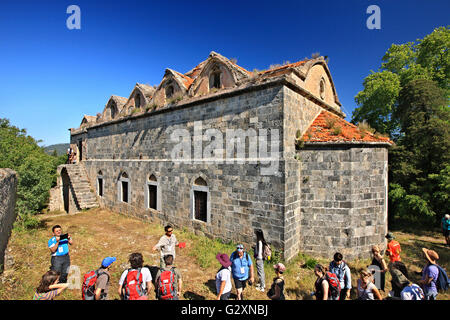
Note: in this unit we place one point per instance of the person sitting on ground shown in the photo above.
(102, 283)
(166, 244)
(223, 277)
(445, 225)
(393, 248)
(366, 288)
(430, 274)
(276, 291)
(168, 281)
(342, 271)
(412, 292)
(378, 261)
(49, 287)
(137, 274)
(241, 269)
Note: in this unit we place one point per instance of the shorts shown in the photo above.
(225, 296)
(240, 283)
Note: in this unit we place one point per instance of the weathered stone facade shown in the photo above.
(8, 188)
(322, 198)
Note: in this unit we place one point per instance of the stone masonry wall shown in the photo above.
(241, 198)
(8, 188)
(343, 199)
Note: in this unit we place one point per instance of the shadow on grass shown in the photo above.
(189, 295)
(299, 294)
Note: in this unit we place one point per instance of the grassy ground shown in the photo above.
(99, 233)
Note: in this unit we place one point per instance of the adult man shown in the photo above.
(136, 282)
(430, 274)
(166, 244)
(445, 225)
(168, 281)
(102, 284)
(241, 269)
(342, 271)
(393, 248)
(59, 249)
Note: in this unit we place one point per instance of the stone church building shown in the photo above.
(223, 151)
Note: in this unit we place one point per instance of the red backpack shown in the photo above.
(333, 285)
(89, 281)
(132, 286)
(166, 289)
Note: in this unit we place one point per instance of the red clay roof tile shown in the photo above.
(328, 127)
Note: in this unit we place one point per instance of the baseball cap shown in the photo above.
(108, 261)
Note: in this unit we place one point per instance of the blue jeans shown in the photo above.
(431, 295)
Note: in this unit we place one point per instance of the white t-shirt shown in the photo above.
(146, 277)
(224, 275)
(259, 250)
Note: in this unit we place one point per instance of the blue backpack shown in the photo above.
(443, 283)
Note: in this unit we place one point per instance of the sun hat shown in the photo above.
(431, 255)
(390, 236)
(108, 261)
(280, 267)
(223, 259)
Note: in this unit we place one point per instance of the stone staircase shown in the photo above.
(83, 192)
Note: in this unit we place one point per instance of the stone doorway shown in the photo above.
(65, 189)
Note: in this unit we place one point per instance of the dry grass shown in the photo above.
(99, 233)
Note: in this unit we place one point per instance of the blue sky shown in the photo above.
(51, 76)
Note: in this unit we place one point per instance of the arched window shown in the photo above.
(153, 195)
(137, 101)
(214, 79)
(100, 184)
(322, 88)
(169, 91)
(113, 108)
(123, 188)
(200, 200)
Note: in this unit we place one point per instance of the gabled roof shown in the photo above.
(120, 101)
(146, 89)
(328, 127)
(88, 119)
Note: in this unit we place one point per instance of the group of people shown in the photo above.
(333, 282)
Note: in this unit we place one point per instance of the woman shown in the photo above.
(378, 261)
(321, 285)
(276, 292)
(366, 288)
(223, 277)
(260, 243)
(49, 287)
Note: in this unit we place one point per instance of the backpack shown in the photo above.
(442, 283)
(333, 284)
(89, 281)
(166, 288)
(267, 252)
(132, 286)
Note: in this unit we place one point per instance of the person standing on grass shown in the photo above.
(393, 248)
(242, 270)
(342, 271)
(136, 282)
(168, 281)
(259, 257)
(378, 261)
(321, 286)
(223, 277)
(276, 291)
(49, 287)
(59, 249)
(366, 288)
(430, 274)
(102, 283)
(166, 244)
(445, 225)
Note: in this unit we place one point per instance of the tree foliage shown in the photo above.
(408, 100)
(36, 170)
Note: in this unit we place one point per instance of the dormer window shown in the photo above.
(169, 91)
(214, 80)
(137, 101)
(113, 109)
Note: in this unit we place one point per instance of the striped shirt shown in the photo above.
(50, 295)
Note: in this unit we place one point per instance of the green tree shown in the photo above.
(36, 170)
